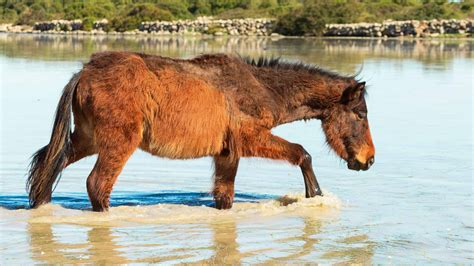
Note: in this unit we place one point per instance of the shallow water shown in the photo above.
(414, 205)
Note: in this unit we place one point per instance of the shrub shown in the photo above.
(32, 14)
(300, 22)
(218, 6)
(242, 13)
(264, 4)
(200, 7)
(313, 16)
(9, 15)
(88, 23)
(133, 15)
(94, 9)
(177, 8)
(434, 10)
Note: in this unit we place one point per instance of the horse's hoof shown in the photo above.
(99, 208)
(312, 194)
(223, 202)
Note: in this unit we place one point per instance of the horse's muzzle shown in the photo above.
(354, 164)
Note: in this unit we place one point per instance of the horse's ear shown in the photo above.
(353, 93)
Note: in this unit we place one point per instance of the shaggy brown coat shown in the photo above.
(213, 105)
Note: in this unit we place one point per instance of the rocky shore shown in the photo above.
(253, 27)
(413, 28)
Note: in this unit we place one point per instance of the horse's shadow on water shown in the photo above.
(80, 201)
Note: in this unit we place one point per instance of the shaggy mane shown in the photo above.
(278, 63)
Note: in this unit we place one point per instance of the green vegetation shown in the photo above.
(129, 18)
(311, 16)
(295, 17)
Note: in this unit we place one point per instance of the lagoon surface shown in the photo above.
(415, 204)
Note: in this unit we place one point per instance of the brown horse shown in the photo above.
(213, 105)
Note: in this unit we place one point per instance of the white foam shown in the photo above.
(171, 213)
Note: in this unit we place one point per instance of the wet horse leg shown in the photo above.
(115, 146)
(264, 144)
(224, 177)
(310, 182)
(80, 148)
(102, 179)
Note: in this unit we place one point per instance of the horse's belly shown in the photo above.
(188, 126)
(185, 147)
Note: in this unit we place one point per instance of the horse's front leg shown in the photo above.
(224, 177)
(264, 144)
(310, 182)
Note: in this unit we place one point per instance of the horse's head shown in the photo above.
(347, 128)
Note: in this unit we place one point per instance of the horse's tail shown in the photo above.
(48, 162)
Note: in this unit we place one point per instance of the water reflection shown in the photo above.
(358, 250)
(307, 241)
(221, 241)
(342, 54)
(225, 247)
(100, 246)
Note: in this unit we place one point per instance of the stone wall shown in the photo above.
(59, 25)
(254, 27)
(260, 27)
(101, 25)
(414, 28)
(201, 25)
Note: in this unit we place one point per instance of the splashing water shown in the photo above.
(194, 207)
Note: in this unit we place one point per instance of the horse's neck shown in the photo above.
(301, 95)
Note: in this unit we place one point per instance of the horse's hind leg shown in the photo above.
(82, 146)
(114, 150)
(224, 177)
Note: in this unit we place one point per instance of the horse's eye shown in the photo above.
(361, 115)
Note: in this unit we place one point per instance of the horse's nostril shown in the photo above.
(371, 161)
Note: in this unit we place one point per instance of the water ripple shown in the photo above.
(81, 201)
